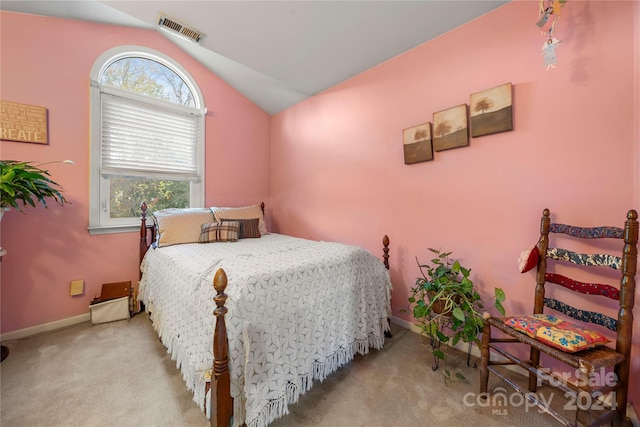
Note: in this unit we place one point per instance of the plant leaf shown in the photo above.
(456, 339)
(419, 311)
(458, 314)
(442, 337)
(499, 307)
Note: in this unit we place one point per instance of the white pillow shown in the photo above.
(177, 226)
(245, 212)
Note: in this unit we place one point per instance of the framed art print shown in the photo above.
(417, 144)
(491, 111)
(450, 128)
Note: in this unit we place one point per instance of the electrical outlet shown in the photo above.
(76, 288)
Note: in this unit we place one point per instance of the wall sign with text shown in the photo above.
(23, 123)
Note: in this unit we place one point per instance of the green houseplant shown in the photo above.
(23, 184)
(446, 304)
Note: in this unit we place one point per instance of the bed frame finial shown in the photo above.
(385, 249)
(143, 232)
(221, 402)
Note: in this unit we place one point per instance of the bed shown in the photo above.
(296, 310)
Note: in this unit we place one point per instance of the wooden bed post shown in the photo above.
(221, 402)
(385, 250)
(385, 258)
(143, 233)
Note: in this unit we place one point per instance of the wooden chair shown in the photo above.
(591, 384)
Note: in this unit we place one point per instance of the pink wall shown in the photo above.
(336, 170)
(337, 158)
(46, 62)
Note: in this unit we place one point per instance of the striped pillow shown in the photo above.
(176, 226)
(245, 212)
(224, 231)
(249, 228)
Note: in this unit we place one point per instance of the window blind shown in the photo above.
(140, 137)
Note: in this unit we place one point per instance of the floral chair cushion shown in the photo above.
(561, 334)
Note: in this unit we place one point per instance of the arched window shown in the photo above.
(147, 138)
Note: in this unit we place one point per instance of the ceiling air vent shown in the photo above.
(174, 26)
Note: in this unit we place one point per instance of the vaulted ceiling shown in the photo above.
(278, 53)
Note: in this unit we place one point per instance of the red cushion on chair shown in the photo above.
(528, 259)
(561, 334)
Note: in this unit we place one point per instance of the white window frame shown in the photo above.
(99, 186)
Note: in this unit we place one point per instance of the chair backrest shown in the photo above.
(626, 264)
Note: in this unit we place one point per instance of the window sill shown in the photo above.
(110, 229)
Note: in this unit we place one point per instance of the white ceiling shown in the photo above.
(278, 53)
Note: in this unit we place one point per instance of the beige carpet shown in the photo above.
(119, 374)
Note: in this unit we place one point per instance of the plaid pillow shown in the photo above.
(225, 231)
(249, 228)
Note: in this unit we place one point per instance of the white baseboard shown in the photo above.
(403, 323)
(45, 327)
(464, 347)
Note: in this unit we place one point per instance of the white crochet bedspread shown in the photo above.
(298, 310)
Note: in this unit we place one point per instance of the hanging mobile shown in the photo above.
(549, 58)
(550, 10)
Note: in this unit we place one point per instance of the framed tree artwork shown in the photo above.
(417, 144)
(491, 111)
(450, 128)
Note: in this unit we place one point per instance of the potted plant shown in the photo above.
(447, 306)
(23, 184)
